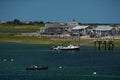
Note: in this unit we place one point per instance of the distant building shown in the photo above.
(52, 29)
(52, 25)
(104, 30)
(72, 24)
(58, 28)
(118, 30)
(84, 30)
(1, 22)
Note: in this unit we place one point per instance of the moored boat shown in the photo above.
(69, 47)
(34, 67)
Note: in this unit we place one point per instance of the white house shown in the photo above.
(105, 30)
(84, 30)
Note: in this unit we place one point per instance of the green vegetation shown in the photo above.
(12, 37)
(21, 25)
(18, 22)
(18, 27)
(35, 26)
(117, 42)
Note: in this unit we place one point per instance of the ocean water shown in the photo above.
(76, 65)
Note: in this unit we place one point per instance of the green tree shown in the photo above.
(16, 21)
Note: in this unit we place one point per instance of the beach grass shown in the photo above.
(117, 42)
(17, 37)
(11, 37)
(19, 27)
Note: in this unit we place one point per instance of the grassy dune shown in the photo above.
(19, 27)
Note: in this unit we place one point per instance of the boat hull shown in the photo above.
(70, 47)
(38, 68)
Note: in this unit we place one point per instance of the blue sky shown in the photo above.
(84, 11)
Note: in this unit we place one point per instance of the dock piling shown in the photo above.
(107, 44)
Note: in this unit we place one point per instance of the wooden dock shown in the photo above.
(107, 44)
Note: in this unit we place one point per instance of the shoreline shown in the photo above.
(18, 38)
(51, 43)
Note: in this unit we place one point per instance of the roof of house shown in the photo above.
(103, 28)
(79, 27)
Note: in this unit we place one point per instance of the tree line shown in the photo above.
(19, 22)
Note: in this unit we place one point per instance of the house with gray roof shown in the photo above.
(52, 29)
(84, 29)
(105, 30)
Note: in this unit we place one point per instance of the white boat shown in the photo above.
(69, 47)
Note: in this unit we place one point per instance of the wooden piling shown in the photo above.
(108, 44)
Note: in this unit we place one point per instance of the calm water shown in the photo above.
(77, 65)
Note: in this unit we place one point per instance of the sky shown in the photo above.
(84, 11)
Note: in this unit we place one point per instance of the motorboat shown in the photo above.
(69, 47)
(34, 67)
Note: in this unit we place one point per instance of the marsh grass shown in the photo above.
(19, 27)
(12, 37)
